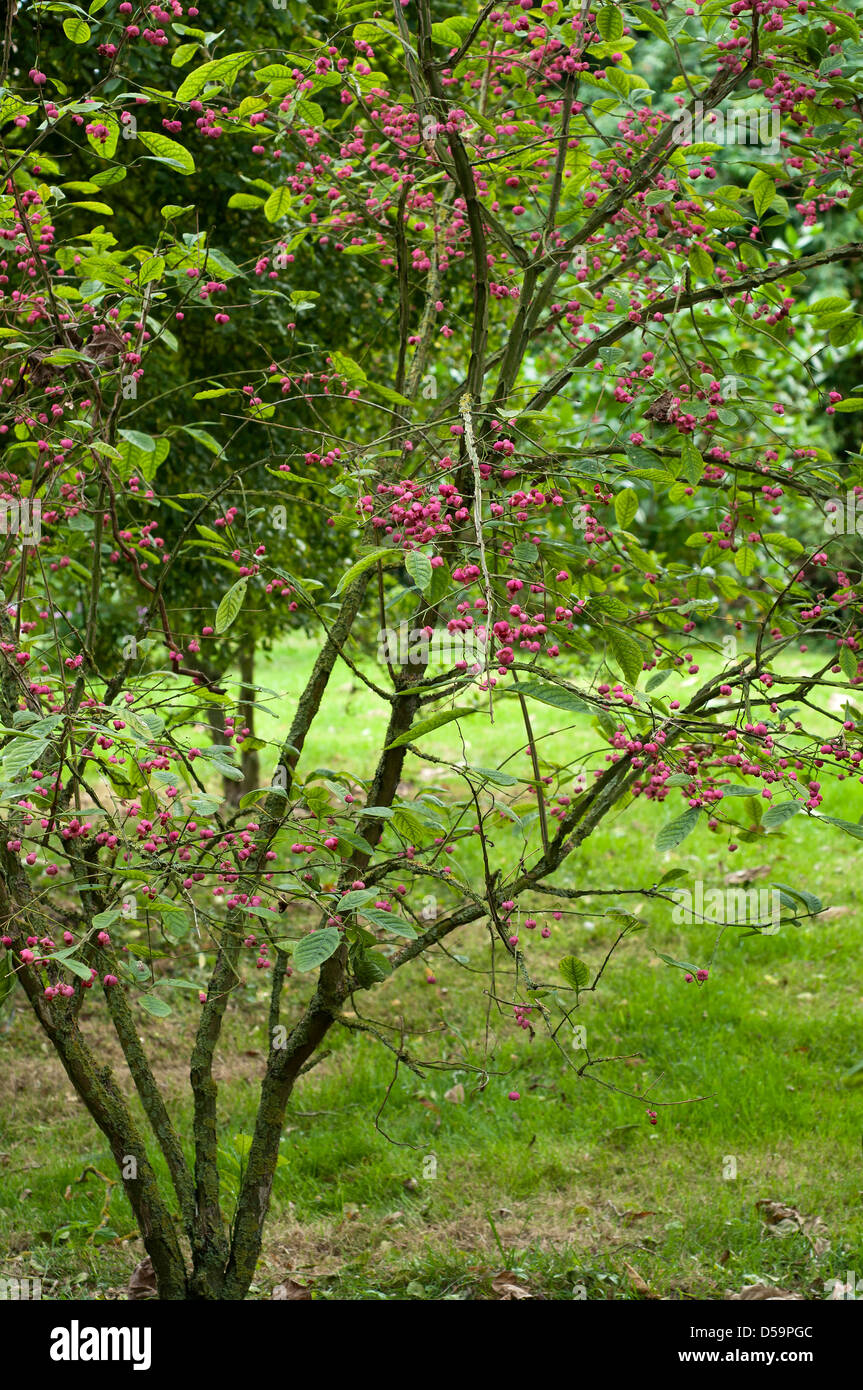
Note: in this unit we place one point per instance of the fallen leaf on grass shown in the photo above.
(778, 1214)
(638, 1283)
(509, 1288)
(748, 875)
(142, 1282)
(782, 1220)
(455, 1094)
(293, 1292)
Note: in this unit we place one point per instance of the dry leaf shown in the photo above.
(142, 1282)
(747, 875)
(775, 1213)
(662, 408)
(293, 1292)
(638, 1283)
(509, 1287)
(455, 1094)
(782, 1220)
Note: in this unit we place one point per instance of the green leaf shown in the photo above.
(76, 30)
(103, 920)
(692, 464)
(215, 392)
(202, 437)
(846, 331)
(152, 1004)
(672, 875)
(625, 502)
(848, 662)
(419, 567)
(678, 964)
(627, 654)
(657, 679)
(642, 458)
(701, 263)
(385, 554)
(68, 962)
(219, 70)
(651, 21)
(525, 553)
(167, 151)
(556, 695)
(183, 55)
(850, 828)
(427, 726)
(609, 22)
(441, 583)
(780, 813)
(20, 754)
(358, 897)
(245, 201)
(314, 949)
(349, 369)
(746, 560)
(574, 971)
(146, 442)
(370, 967)
(496, 776)
(671, 835)
(811, 901)
(389, 921)
(278, 204)
(763, 191)
(231, 604)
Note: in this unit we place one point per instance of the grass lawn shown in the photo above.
(394, 1185)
